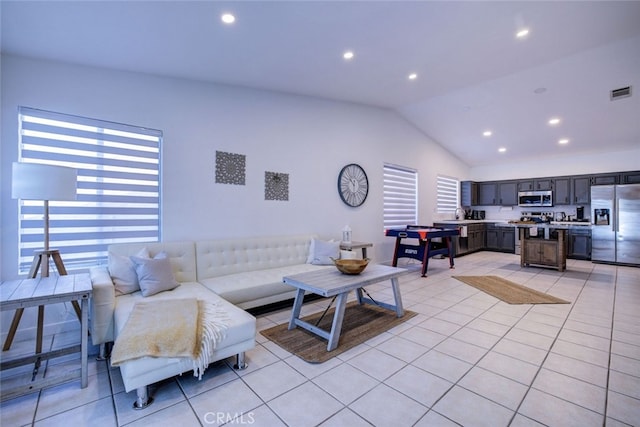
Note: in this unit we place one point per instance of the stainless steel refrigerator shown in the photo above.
(615, 235)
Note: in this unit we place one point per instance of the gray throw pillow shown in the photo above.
(154, 275)
(123, 272)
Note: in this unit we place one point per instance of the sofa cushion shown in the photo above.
(255, 285)
(240, 335)
(223, 257)
(123, 272)
(181, 254)
(154, 274)
(321, 252)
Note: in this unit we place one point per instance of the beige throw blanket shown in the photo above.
(172, 328)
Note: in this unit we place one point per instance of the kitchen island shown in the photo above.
(548, 251)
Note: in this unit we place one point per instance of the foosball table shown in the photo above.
(432, 241)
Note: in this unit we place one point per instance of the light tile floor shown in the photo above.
(466, 359)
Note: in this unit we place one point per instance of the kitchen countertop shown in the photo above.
(506, 223)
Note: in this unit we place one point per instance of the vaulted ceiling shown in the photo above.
(472, 73)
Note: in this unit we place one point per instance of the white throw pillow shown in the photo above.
(154, 275)
(123, 272)
(321, 252)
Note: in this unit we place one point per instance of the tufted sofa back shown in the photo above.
(181, 254)
(222, 257)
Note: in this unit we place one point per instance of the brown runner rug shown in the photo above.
(508, 291)
(361, 322)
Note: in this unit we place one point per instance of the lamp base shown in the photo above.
(41, 259)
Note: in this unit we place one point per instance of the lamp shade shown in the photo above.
(32, 181)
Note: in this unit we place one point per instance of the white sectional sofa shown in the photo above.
(236, 274)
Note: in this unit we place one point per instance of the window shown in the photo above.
(448, 194)
(118, 191)
(400, 196)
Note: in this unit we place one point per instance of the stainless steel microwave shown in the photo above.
(535, 198)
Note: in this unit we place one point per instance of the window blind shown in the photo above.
(118, 189)
(448, 194)
(400, 196)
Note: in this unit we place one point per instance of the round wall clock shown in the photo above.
(353, 185)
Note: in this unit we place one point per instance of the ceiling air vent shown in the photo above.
(623, 92)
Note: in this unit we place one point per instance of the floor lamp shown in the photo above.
(33, 181)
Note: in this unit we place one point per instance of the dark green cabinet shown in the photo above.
(562, 191)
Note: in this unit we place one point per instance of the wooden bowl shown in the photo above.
(351, 266)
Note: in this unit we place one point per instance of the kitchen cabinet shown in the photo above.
(543, 184)
(500, 238)
(487, 193)
(581, 189)
(477, 234)
(525, 185)
(630, 178)
(464, 245)
(545, 252)
(508, 193)
(579, 245)
(500, 193)
(605, 179)
(538, 184)
(562, 191)
(468, 193)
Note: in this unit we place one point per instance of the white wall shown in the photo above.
(310, 139)
(577, 164)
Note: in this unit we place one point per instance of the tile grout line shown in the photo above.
(613, 316)
(549, 351)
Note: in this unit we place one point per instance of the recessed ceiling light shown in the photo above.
(228, 18)
(487, 133)
(502, 149)
(554, 121)
(348, 55)
(522, 33)
(563, 141)
(413, 76)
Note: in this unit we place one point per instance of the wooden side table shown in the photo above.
(356, 245)
(22, 293)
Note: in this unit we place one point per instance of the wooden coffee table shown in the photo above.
(332, 283)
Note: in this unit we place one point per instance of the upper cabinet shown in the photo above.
(487, 192)
(468, 193)
(567, 190)
(605, 179)
(562, 191)
(630, 177)
(542, 184)
(508, 193)
(581, 189)
(499, 193)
